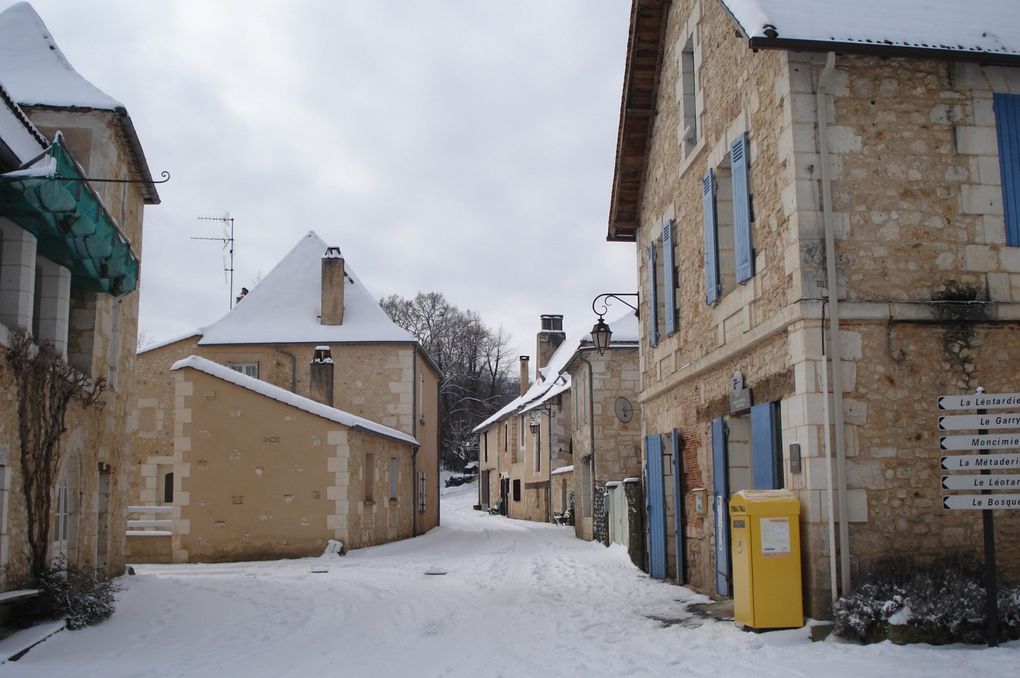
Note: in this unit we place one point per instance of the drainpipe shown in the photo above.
(414, 450)
(835, 350)
(293, 368)
(591, 431)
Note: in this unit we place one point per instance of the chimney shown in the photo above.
(331, 311)
(524, 374)
(320, 382)
(549, 339)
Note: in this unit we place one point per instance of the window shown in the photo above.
(62, 522)
(485, 445)
(168, 488)
(394, 476)
(421, 398)
(517, 489)
(669, 278)
(1007, 123)
(688, 92)
(369, 476)
(653, 297)
(247, 369)
(506, 436)
(726, 201)
(538, 448)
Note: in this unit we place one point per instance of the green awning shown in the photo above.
(54, 201)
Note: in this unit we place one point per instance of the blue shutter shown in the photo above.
(711, 239)
(678, 505)
(653, 299)
(721, 503)
(668, 277)
(1007, 122)
(656, 508)
(766, 471)
(741, 210)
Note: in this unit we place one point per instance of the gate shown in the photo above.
(656, 508)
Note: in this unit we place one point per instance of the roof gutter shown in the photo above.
(884, 50)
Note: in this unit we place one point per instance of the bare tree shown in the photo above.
(475, 361)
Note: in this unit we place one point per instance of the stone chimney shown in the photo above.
(549, 339)
(320, 381)
(331, 311)
(524, 374)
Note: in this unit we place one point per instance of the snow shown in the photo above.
(35, 71)
(562, 469)
(171, 340)
(45, 166)
(991, 26)
(517, 599)
(16, 132)
(284, 396)
(284, 307)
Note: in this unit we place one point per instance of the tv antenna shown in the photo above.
(228, 246)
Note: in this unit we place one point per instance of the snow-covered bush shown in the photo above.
(939, 603)
(80, 597)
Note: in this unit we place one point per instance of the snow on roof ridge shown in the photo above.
(35, 69)
(288, 398)
(170, 340)
(284, 307)
(561, 469)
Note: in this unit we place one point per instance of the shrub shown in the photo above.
(939, 603)
(80, 597)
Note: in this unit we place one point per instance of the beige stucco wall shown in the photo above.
(95, 438)
(255, 478)
(917, 217)
(377, 381)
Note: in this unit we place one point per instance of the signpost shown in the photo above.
(983, 462)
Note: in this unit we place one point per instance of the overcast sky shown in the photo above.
(458, 146)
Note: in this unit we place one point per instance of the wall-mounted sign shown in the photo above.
(986, 401)
(740, 396)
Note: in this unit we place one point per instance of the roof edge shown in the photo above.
(883, 50)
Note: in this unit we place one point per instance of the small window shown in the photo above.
(517, 489)
(394, 475)
(421, 398)
(247, 369)
(538, 449)
(688, 93)
(168, 488)
(369, 476)
(506, 436)
(485, 445)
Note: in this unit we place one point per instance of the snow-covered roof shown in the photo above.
(561, 384)
(980, 26)
(172, 340)
(284, 307)
(562, 469)
(16, 132)
(284, 396)
(34, 69)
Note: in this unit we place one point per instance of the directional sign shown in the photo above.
(976, 502)
(976, 462)
(965, 422)
(981, 482)
(1001, 441)
(986, 401)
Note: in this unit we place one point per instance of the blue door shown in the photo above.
(766, 466)
(721, 496)
(656, 508)
(678, 505)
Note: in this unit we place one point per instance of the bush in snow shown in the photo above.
(939, 603)
(80, 597)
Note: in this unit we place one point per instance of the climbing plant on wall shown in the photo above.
(46, 387)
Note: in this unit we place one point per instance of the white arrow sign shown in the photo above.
(986, 401)
(986, 482)
(1001, 441)
(976, 462)
(980, 502)
(964, 422)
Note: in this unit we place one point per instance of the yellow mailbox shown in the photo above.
(765, 536)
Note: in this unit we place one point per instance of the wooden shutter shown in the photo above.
(766, 466)
(741, 210)
(1007, 123)
(656, 505)
(721, 505)
(653, 298)
(668, 277)
(678, 505)
(711, 239)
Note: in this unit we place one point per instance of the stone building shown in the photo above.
(312, 331)
(69, 251)
(551, 428)
(818, 185)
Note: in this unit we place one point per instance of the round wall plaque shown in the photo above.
(624, 410)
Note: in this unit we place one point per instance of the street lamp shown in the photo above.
(601, 335)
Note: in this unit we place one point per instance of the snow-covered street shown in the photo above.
(479, 596)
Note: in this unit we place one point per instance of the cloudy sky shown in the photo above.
(459, 146)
